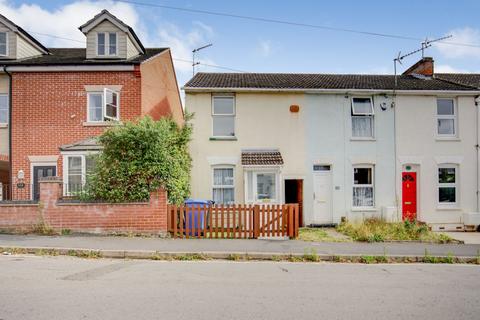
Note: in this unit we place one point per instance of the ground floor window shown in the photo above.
(363, 187)
(223, 185)
(262, 186)
(447, 184)
(77, 169)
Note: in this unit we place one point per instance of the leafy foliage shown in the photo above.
(141, 157)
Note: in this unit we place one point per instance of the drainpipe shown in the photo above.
(477, 121)
(10, 187)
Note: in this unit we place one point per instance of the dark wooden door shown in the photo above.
(40, 172)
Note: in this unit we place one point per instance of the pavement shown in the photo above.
(465, 237)
(41, 288)
(126, 247)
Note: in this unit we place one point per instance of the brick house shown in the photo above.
(54, 101)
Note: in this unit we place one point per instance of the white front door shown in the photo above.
(322, 194)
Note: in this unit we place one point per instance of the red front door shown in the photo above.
(409, 195)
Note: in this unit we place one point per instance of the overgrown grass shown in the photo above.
(317, 235)
(376, 230)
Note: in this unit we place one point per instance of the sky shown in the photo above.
(254, 46)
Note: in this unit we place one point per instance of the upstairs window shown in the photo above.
(103, 106)
(3, 44)
(363, 187)
(3, 109)
(446, 118)
(362, 118)
(223, 114)
(107, 44)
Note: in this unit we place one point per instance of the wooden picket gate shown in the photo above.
(233, 221)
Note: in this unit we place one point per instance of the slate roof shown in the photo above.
(77, 56)
(303, 81)
(261, 158)
(89, 144)
(469, 79)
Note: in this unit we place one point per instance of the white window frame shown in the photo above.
(233, 114)
(455, 185)
(8, 107)
(214, 186)
(6, 45)
(107, 44)
(372, 185)
(251, 175)
(81, 154)
(354, 114)
(447, 117)
(104, 105)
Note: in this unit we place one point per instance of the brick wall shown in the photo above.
(50, 108)
(103, 218)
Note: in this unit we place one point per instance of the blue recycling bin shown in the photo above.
(196, 215)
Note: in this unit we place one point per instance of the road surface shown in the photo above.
(39, 288)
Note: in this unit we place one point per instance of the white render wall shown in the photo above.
(262, 121)
(419, 146)
(329, 142)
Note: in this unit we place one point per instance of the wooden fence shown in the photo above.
(233, 221)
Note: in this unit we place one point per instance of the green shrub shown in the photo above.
(140, 157)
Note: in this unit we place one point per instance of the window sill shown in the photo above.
(448, 208)
(223, 139)
(3, 125)
(447, 139)
(367, 209)
(102, 124)
(363, 139)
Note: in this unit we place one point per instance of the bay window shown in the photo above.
(77, 169)
(362, 118)
(103, 105)
(223, 188)
(447, 185)
(223, 116)
(262, 186)
(363, 187)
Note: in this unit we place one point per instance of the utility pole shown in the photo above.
(194, 51)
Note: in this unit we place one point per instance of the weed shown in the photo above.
(276, 258)
(233, 257)
(190, 257)
(43, 229)
(368, 259)
(449, 258)
(311, 256)
(66, 232)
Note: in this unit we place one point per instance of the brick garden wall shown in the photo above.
(102, 218)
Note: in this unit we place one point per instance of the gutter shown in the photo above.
(336, 91)
(10, 104)
(477, 147)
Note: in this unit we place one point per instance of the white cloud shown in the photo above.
(65, 20)
(183, 42)
(265, 48)
(464, 35)
(445, 68)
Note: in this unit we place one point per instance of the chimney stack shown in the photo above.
(423, 67)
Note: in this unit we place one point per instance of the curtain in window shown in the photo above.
(223, 190)
(362, 126)
(363, 196)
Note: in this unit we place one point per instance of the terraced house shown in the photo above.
(54, 101)
(352, 146)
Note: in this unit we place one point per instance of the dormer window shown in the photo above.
(107, 44)
(3, 44)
